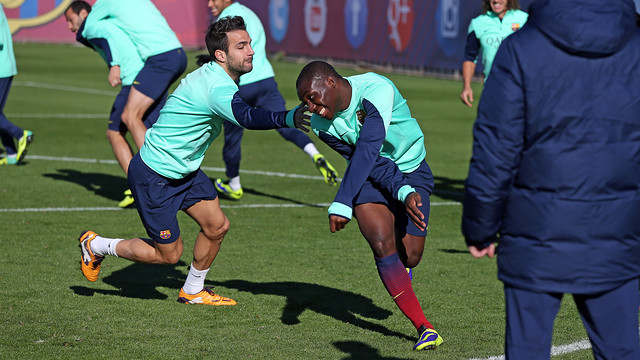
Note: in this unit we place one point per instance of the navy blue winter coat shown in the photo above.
(555, 169)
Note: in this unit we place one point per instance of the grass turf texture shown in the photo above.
(302, 292)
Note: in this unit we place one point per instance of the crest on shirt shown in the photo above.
(165, 234)
(360, 114)
(515, 26)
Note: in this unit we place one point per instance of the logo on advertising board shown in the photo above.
(315, 20)
(448, 21)
(278, 18)
(30, 13)
(356, 13)
(400, 20)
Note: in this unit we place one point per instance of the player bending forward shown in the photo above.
(387, 183)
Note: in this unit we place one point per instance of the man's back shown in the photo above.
(557, 143)
(141, 21)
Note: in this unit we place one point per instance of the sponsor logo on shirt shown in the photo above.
(360, 114)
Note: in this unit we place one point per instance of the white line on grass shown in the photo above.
(206, 168)
(224, 206)
(555, 350)
(218, 169)
(65, 88)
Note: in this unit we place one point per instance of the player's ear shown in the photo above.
(220, 56)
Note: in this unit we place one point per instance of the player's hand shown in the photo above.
(478, 253)
(467, 96)
(203, 59)
(337, 223)
(114, 76)
(412, 203)
(301, 118)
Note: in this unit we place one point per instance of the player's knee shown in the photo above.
(381, 246)
(111, 135)
(216, 232)
(413, 260)
(171, 259)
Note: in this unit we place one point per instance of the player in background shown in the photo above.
(364, 117)
(165, 175)
(14, 139)
(124, 64)
(259, 89)
(499, 19)
(163, 56)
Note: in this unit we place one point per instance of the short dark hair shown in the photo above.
(511, 5)
(316, 70)
(77, 6)
(216, 38)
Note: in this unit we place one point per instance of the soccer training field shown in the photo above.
(302, 292)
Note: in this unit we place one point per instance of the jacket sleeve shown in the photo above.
(498, 139)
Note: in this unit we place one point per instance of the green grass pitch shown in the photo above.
(302, 292)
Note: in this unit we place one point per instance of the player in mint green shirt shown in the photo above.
(158, 46)
(165, 176)
(499, 19)
(14, 139)
(387, 183)
(124, 63)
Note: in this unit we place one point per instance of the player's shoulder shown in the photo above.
(518, 15)
(370, 82)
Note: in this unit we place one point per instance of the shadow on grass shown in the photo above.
(338, 304)
(449, 189)
(245, 190)
(360, 351)
(139, 281)
(454, 251)
(105, 185)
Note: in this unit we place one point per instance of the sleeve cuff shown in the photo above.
(289, 117)
(340, 209)
(404, 192)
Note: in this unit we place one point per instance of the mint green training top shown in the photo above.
(262, 69)
(7, 58)
(490, 31)
(403, 142)
(377, 122)
(141, 21)
(118, 50)
(192, 118)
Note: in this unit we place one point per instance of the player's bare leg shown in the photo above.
(376, 224)
(410, 249)
(213, 227)
(121, 149)
(133, 112)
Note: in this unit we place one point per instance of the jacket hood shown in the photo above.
(591, 28)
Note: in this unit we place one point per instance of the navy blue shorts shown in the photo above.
(159, 72)
(158, 199)
(421, 179)
(151, 116)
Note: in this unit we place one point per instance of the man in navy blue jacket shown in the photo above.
(555, 175)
